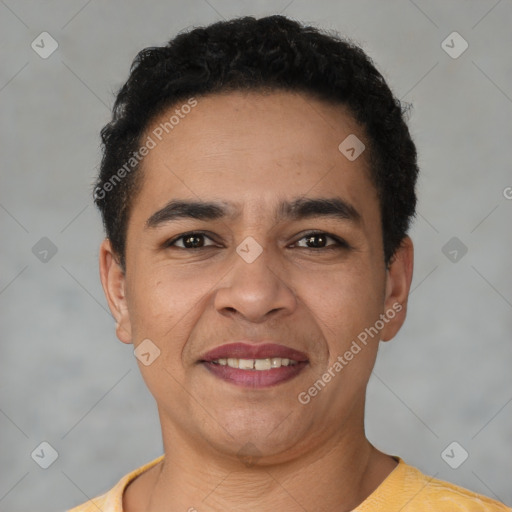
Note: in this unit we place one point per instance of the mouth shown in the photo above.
(254, 366)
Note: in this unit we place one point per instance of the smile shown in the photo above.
(255, 364)
(255, 373)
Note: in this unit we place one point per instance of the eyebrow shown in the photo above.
(298, 209)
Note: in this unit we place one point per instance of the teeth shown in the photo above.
(256, 364)
(262, 364)
(246, 364)
(232, 362)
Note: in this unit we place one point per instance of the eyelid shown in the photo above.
(340, 242)
(172, 241)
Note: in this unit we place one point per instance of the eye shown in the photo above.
(320, 240)
(191, 240)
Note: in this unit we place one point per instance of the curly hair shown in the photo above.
(270, 53)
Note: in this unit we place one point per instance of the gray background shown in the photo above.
(65, 378)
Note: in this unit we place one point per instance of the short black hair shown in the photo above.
(249, 54)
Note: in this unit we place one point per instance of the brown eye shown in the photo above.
(320, 241)
(316, 241)
(191, 241)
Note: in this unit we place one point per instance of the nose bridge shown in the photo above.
(253, 264)
(254, 287)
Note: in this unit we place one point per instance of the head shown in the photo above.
(257, 185)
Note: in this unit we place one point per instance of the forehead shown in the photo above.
(278, 123)
(254, 149)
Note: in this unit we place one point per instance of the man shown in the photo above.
(257, 185)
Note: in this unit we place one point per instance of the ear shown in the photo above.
(113, 281)
(398, 284)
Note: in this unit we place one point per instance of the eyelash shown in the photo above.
(340, 243)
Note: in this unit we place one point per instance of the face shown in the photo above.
(253, 230)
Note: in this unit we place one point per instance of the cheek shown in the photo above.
(150, 304)
(159, 298)
(345, 306)
(343, 301)
(161, 311)
(164, 307)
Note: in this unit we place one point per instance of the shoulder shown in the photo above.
(409, 490)
(441, 495)
(93, 505)
(112, 501)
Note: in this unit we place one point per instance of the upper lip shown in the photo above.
(247, 351)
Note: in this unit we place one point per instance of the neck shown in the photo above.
(338, 475)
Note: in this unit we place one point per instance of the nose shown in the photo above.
(256, 291)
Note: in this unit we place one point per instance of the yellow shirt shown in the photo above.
(406, 489)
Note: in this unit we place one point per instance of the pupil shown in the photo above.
(320, 240)
(193, 241)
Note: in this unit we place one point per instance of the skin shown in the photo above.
(254, 150)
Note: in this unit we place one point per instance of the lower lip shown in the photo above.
(255, 378)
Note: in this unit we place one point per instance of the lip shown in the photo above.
(255, 378)
(242, 350)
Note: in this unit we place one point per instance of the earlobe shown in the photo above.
(398, 284)
(113, 282)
